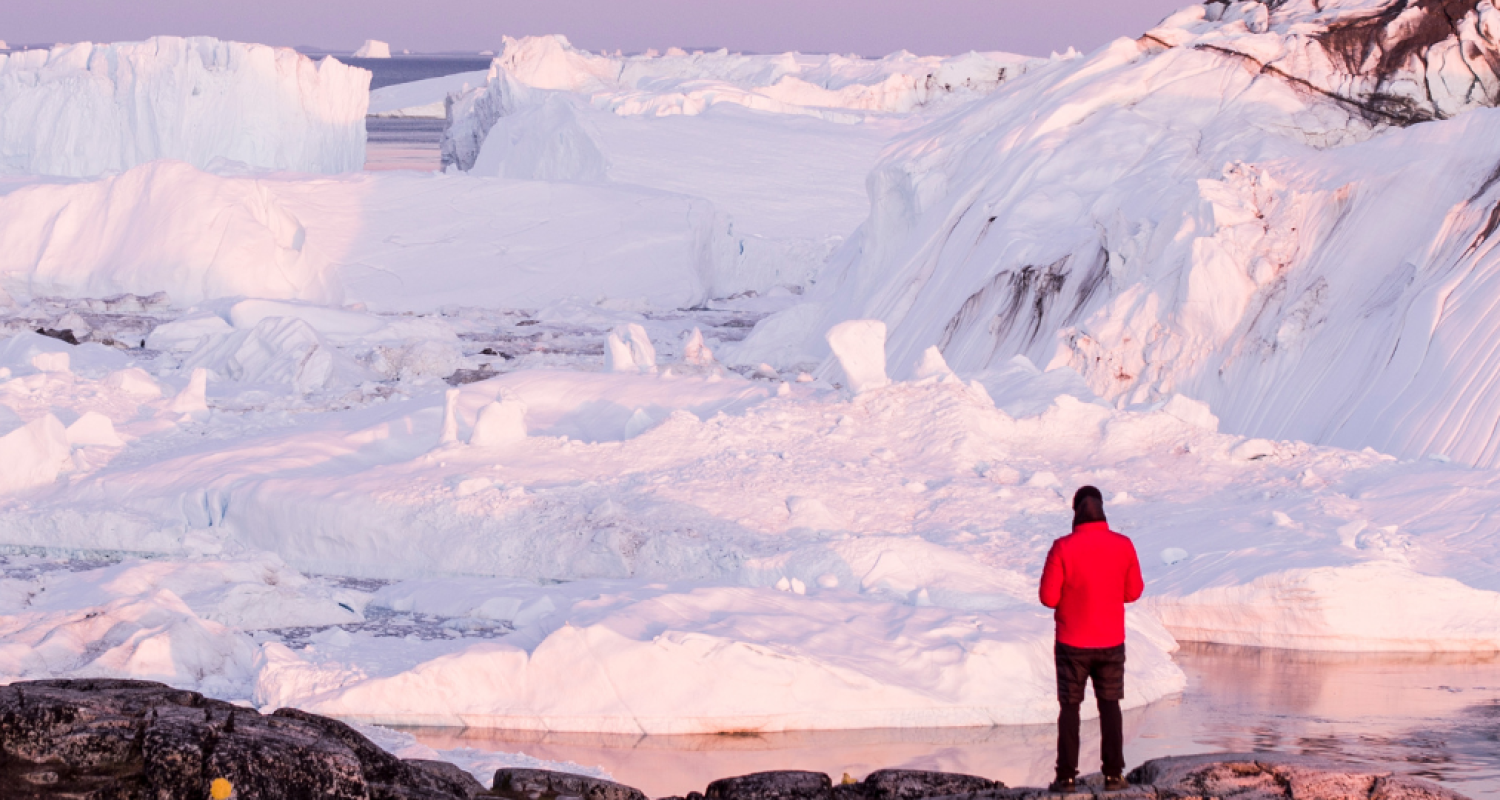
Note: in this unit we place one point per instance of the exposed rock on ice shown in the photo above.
(85, 109)
(1393, 61)
(373, 48)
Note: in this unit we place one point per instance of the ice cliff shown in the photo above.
(86, 109)
(1283, 209)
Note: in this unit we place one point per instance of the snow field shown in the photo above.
(86, 109)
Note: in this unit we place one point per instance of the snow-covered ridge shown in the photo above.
(85, 109)
(1168, 219)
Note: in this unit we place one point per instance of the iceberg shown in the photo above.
(832, 87)
(373, 48)
(86, 109)
(1231, 207)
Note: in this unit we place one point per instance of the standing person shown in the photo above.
(1090, 575)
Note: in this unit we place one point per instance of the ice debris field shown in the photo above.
(706, 392)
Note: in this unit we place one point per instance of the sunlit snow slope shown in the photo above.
(84, 109)
(1227, 207)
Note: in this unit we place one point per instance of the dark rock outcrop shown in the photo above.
(910, 784)
(1254, 776)
(136, 739)
(783, 785)
(541, 784)
(1260, 776)
(1392, 61)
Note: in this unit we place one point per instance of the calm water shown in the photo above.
(1437, 716)
(403, 144)
(408, 143)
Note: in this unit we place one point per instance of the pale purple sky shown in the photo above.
(868, 27)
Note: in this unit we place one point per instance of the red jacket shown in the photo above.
(1090, 575)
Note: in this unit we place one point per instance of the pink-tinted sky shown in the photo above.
(868, 27)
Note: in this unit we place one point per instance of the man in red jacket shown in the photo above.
(1090, 575)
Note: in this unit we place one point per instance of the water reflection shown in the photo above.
(1435, 715)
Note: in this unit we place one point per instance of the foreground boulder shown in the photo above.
(541, 784)
(1259, 776)
(137, 739)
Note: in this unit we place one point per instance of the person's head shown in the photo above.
(1088, 506)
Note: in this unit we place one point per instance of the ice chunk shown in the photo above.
(162, 225)
(859, 346)
(1253, 449)
(544, 142)
(33, 454)
(629, 349)
(1192, 412)
(424, 98)
(373, 48)
(135, 382)
(193, 399)
(93, 429)
(499, 423)
(50, 362)
(86, 109)
(932, 365)
(188, 333)
(279, 350)
(694, 351)
(449, 434)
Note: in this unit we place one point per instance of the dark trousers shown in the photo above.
(1075, 667)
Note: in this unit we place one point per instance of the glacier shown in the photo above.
(85, 109)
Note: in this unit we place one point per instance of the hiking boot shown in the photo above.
(1114, 783)
(1063, 786)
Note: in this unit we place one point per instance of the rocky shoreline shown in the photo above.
(119, 739)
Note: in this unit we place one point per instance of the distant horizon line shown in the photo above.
(312, 50)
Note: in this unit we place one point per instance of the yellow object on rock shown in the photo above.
(220, 789)
(848, 780)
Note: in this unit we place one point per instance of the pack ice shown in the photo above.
(85, 109)
(492, 446)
